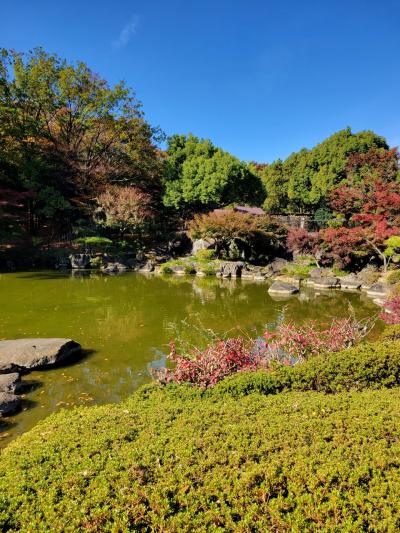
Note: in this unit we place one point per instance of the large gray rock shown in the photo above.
(10, 383)
(9, 404)
(80, 261)
(231, 269)
(368, 276)
(281, 287)
(203, 244)
(178, 269)
(275, 267)
(146, 267)
(27, 354)
(114, 267)
(350, 282)
(378, 290)
(317, 273)
(326, 283)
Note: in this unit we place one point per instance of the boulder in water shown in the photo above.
(283, 288)
(9, 404)
(23, 355)
(10, 383)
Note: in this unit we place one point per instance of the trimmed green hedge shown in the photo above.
(180, 460)
(391, 333)
(173, 460)
(365, 365)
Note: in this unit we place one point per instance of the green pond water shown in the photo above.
(125, 323)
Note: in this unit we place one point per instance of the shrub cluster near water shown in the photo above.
(241, 456)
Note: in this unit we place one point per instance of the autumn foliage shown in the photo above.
(260, 235)
(391, 312)
(124, 208)
(287, 345)
(303, 242)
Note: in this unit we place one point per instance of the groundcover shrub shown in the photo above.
(175, 459)
(369, 365)
(236, 457)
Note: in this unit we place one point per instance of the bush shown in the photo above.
(391, 312)
(302, 271)
(208, 269)
(240, 235)
(367, 365)
(189, 269)
(287, 345)
(172, 459)
(94, 243)
(393, 277)
(391, 333)
(165, 269)
(96, 262)
(205, 255)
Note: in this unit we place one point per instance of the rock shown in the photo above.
(148, 266)
(275, 267)
(114, 267)
(10, 383)
(368, 276)
(28, 354)
(9, 404)
(180, 244)
(288, 280)
(378, 291)
(178, 269)
(350, 282)
(280, 287)
(203, 244)
(326, 283)
(321, 273)
(248, 274)
(80, 261)
(231, 269)
(278, 264)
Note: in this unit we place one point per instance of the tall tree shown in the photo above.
(66, 133)
(302, 182)
(200, 176)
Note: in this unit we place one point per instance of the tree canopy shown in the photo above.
(65, 133)
(302, 182)
(200, 176)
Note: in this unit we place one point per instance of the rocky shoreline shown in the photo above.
(277, 272)
(20, 356)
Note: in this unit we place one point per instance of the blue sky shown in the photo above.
(260, 78)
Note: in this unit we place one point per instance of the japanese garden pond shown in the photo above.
(125, 322)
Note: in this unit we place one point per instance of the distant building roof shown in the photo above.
(257, 211)
(222, 211)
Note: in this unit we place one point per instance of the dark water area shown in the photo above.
(124, 324)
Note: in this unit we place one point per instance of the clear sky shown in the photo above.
(260, 78)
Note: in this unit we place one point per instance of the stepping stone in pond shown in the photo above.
(10, 383)
(23, 355)
(280, 287)
(9, 404)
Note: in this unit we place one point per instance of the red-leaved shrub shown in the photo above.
(303, 342)
(391, 313)
(287, 345)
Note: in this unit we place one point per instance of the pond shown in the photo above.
(125, 323)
